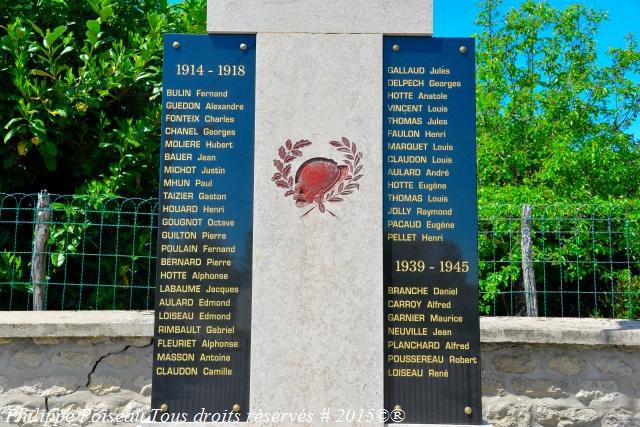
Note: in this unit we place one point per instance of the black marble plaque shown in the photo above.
(203, 293)
(432, 338)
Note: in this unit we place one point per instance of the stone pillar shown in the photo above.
(317, 305)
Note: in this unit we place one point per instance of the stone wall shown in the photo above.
(87, 378)
(81, 365)
(560, 372)
(536, 372)
(554, 385)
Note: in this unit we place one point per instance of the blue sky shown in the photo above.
(455, 18)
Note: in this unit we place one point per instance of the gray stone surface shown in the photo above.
(329, 16)
(89, 324)
(514, 363)
(568, 365)
(566, 387)
(614, 366)
(74, 381)
(509, 414)
(537, 388)
(317, 301)
(570, 417)
(26, 359)
(546, 330)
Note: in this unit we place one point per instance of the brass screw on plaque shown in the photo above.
(176, 45)
(397, 408)
(243, 46)
(395, 47)
(164, 407)
(236, 407)
(463, 49)
(468, 410)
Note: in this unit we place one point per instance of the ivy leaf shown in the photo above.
(48, 148)
(8, 135)
(54, 35)
(41, 73)
(66, 50)
(51, 162)
(106, 12)
(93, 26)
(57, 259)
(37, 29)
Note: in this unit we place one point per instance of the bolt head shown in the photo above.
(176, 45)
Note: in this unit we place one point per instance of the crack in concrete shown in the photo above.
(95, 365)
(93, 369)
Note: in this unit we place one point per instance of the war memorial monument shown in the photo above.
(317, 250)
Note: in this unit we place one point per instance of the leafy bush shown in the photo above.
(554, 122)
(80, 86)
(555, 131)
(80, 93)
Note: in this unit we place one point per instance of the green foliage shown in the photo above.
(80, 86)
(553, 123)
(554, 130)
(80, 91)
(12, 272)
(65, 237)
(626, 299)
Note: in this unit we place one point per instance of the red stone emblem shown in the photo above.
(319, 180)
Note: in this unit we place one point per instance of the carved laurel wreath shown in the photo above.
(288, 152)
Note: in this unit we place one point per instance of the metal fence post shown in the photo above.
(528, 276)
(39, 255)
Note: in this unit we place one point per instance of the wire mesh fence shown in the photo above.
(100, 253)
(584, 260)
